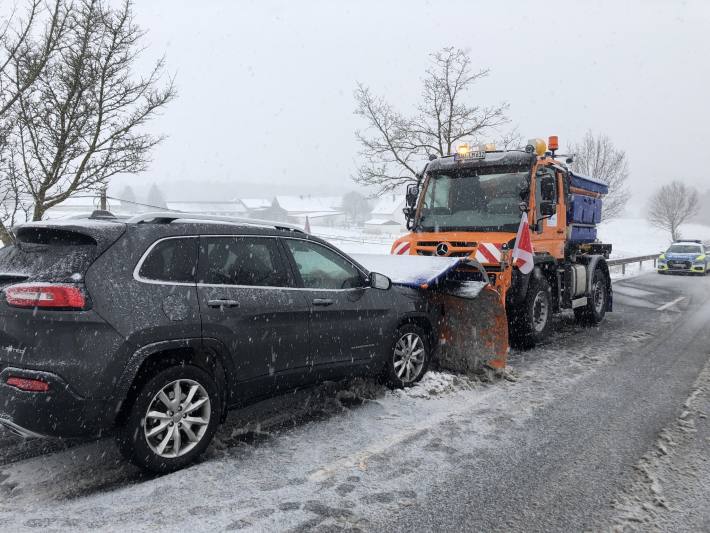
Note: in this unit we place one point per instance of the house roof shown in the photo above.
(389, 204)
(382, 222)
(306, 204)
(208, 207)
(256, 203)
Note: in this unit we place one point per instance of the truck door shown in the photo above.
(550, 235)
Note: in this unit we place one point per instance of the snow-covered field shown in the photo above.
(634, 236)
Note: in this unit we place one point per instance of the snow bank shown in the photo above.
(634, 236)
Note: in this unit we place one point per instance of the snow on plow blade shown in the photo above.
(472, 325)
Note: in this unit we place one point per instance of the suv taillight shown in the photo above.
(28, 384)
(45, 296)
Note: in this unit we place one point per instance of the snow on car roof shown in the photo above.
(409, 270)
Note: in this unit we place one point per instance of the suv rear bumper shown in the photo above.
(59, 412)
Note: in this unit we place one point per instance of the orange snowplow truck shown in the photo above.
(469, 204)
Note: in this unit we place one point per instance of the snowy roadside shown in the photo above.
(632, 270)
(671, 490)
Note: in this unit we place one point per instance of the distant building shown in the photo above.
(84, 204)
(320, 210)
(234, 208)
(387, 215)
(256, 205)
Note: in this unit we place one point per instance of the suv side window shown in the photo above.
(322, 268)
(246, 261)
(171, 260)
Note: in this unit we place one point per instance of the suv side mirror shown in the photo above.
(412, 194)
(547, 209)
(380, 281)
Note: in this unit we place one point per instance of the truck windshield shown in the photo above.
(484, 199)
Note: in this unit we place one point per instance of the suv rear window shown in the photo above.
(47, 254)
(171, 260)
(245, 261)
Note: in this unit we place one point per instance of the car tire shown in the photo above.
(529, 322)
(179, 431)
(593, 313)
(408, 357)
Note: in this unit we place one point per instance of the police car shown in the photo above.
(685, 256)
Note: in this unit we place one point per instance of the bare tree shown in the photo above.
(156, 198)
(597, 157)
(393, 145)
(27, 42)
(671, 206)
(22, 57)
(81, 121)
(355, 206)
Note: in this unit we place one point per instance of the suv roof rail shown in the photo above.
(166, 217)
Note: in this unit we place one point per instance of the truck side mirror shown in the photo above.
(412, 194)
(547, 188)
(409, 216)
(547, 209)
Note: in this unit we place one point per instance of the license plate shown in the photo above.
(480, 154)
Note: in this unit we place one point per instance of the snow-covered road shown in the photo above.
(551, 449)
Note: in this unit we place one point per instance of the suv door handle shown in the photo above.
(223, 303)
(323, 302)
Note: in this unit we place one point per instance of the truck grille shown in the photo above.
(456, 248)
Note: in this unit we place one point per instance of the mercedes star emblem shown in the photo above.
(442, 248)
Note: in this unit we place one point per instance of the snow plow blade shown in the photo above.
(473, 332)
(472, 327)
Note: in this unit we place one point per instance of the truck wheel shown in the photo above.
(408, 359)
(529, 322)
(593, 313)
(172, 421)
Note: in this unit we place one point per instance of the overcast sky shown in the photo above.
(266, 88)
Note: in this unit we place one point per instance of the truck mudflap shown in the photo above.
(472, 328)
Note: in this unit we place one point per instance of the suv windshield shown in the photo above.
(474, 199)
(685, 249)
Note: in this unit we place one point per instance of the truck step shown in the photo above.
(579, 302)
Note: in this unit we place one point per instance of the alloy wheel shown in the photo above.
(409, 357)
(177, 418)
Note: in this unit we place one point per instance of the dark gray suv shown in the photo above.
(155, 326)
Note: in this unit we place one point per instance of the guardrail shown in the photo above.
(623, 261)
